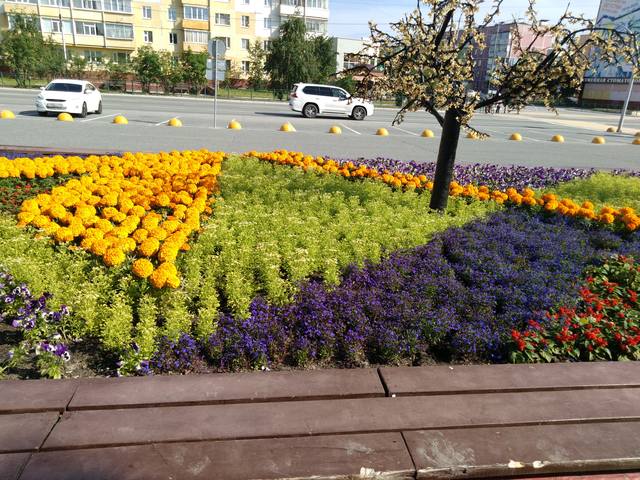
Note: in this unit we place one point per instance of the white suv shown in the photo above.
(312, 100)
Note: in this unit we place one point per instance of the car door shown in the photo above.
(312, 95)
(339, 100)
(91, 97)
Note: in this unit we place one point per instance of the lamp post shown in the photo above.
(628, 99)
(64, 45)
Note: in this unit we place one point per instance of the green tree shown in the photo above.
(117, 73)
(232, 75)
(146, 66)
(51, 63)
(77, 66)
(257, 58)
(172, 71)
(347, 83)
(194, 69)
(22, 47)
(324, 58)
(290, 58)
(429, 58)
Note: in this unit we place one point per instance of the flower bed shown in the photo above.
(318, 264)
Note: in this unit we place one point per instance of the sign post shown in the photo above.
(217, 49)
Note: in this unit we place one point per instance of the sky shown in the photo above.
(349, 18)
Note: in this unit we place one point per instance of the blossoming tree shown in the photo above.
(429, 55)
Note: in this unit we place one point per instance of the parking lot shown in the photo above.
(147, 131)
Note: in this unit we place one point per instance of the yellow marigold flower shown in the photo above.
(109, 212)
(137, 210)
(51, 228)
(606, 210)
(40, 221)
(127, 245)
(26, 217)
(30, 205)
(527, 192)
(77, 228)
(114, 257)
(170, 225)
(173, 281)
(551, 205)
(158, 278)
(99, 246)
(63, 235)
(104, 225)
(87, 242)
(149, 246)
(58, 211)
(142, 268)
(140, 235)
(168, 253)
(606, 218)
(163, 200)
(627, 211)
(159, 233)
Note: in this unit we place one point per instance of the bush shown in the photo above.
(603, 189)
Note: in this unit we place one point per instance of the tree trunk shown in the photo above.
(446, 160)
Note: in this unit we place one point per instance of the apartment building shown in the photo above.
(113, 29)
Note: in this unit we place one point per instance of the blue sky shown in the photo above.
(349, 18)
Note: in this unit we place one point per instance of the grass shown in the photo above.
(603, 189)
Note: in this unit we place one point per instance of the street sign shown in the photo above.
(219, 75)
(221, 65)
(217, 47)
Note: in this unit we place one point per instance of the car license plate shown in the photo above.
(55, 105)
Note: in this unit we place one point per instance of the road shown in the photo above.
(147, 131)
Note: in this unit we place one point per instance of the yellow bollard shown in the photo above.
(636, 141)
(611, 130)
(637, 134)
(174, 122)
(287, 127)
(516, 137)
(234, 125)
(335, 130)
(557, 139)
(120, 120)
(7, 115)
(426, 133)
(65, 117)
(382, 132)
(598, 140)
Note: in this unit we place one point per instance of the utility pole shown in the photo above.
(626, 103)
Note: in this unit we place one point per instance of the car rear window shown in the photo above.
(64, 87)
(293, 90)
(311, 90)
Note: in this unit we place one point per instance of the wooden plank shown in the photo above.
(504, 452)
(327, 457)
(460, 379)
(226, 388)
(25, 431)
(11, 465)
(281, 419)
(22, 396)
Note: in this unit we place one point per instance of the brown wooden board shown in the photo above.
(226, 388)
(459, 379)
(504, 452)
(25, 431)
(280, 419)
(21, 396)
(323, 457)
(11, 464)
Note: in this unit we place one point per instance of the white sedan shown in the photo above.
(71, 96)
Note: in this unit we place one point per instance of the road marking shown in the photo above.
(164, 122)
(405, 131)
(98, 118)
(348, 128)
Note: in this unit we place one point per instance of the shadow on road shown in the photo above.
(298, 115)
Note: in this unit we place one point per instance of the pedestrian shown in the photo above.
(497, 108)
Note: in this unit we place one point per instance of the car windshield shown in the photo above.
(64, 87)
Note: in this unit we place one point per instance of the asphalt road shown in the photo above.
(147, 131)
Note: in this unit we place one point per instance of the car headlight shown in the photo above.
(40, 96)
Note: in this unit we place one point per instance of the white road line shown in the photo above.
(405, 131)
(98, 118)
(163, 122)
(348, 128)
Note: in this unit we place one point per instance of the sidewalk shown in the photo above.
(501, 421)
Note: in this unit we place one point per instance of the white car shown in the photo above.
(71, 96)
(312, 100)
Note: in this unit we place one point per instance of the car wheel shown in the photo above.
(359, 113)
(43, 114)
(310, 110)
(99, 110)
(84, 110)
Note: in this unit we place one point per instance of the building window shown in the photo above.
(24, 1)
(52, 25)
(266, 44)
(244, 21)
(317, 4)
(267, 23)
(172, 14)
(196, 36)
(88, 4)
(93, 56)
(228, 64)
(54, 3)
(246, 43)
(226, 40)
(173, 38)
(316, 26)
(88, 28)
(117, 6)
(223, 19)
(148, 36)
(267, 3)
(121, 57)
(121, 31)
(196, 13)
(146, 12)
(245, 66)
